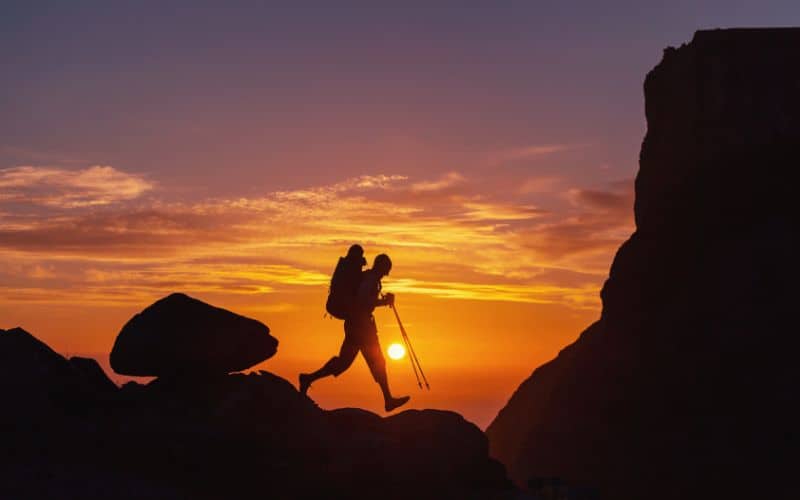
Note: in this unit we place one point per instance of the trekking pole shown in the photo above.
(416, 360)
(413, 365)
(413, 355)
(408, 347)
(407, 342)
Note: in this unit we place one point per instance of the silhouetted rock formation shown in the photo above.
(181, 335)
(34, 378)
(233, 436)
(93, 374)
(687, 385)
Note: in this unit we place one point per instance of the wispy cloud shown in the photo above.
(528, 152)
(447, 243)
(481, 211)
(63, 188)
(448, 180)
(617, 199)
(585, 235)
(542, 293)
(536, 185)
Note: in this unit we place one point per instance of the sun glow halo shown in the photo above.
(396, 351)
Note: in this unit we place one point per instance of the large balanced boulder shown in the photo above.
(182, 335)
(686, 387)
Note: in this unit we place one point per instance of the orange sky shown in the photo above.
(490, 283)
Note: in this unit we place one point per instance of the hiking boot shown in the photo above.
(305, 383)
(393, 403)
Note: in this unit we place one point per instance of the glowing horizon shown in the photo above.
(98, 239)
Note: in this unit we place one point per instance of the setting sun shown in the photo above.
(396, 351)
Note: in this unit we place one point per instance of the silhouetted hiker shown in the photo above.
(361, 334)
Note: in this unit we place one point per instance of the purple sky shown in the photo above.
(249, 95)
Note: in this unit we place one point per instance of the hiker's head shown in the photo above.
(356, 252)
(382, 264)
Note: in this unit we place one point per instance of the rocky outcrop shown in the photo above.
(93, 375)
(432, 452)
(686, 385)
(182, 335)
(34, 378)
(240, 436)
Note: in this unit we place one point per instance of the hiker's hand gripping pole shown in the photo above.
(411, 354)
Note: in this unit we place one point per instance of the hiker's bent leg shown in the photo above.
(377, 365)
(373, 354)
(371, 350)
(338, 364)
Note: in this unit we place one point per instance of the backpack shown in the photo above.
(344, 286)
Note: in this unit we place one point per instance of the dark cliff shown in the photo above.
(686, 384)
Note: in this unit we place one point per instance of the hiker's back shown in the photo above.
(367, 293)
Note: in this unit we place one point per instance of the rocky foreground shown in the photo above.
(69, 432)
(686, 387)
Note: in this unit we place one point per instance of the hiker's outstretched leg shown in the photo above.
(371, 350)
(334, 366)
